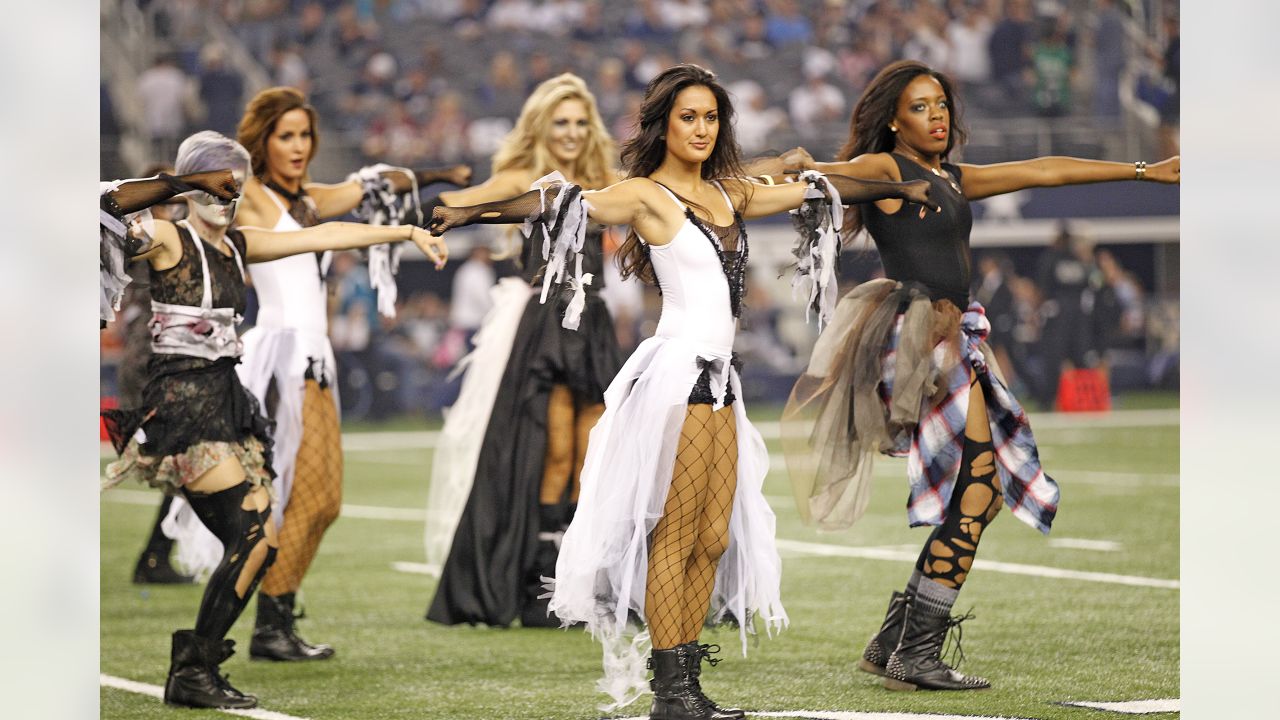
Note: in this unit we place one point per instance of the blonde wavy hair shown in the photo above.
(525, 146)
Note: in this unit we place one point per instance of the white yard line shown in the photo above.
(1083, 544)
(1133, 707)
(856, 715)
(157, 692)
(879, 553)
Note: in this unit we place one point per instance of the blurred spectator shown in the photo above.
(257, 27)
(502, 92)
(396, 138)
(815, 103)
(221, 91)
(1171, 61)
(1063, 277)
(1053, 64)
(1010, 50)
(591, 28)
(310, 27)
(756, 118)
(558, 17)
(644, 21)
(1110, 53)
(681, 15)
(992, 289)
(352, 38)
(470, 300)
(610, 88)
(969, 35)
(754, 42)
(446, 131)
(928, 40)
(164, 92)
(540, 70)
(509, 14)
(785, 24)
(288, 68)
(1118, 309)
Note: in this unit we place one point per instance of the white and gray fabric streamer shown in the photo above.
(117, 246)
(818, 221)
(562, 241)
(381, 205)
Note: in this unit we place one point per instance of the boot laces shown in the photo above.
(706, 651)
(952, 651)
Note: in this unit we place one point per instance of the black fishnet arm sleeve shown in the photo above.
(857, 190)
(518, 209)
(135, 195)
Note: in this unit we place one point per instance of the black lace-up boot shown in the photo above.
(884, 642)
(194, 680)
(700, 653)
(273, 634)
(675, 696)
(917, 662)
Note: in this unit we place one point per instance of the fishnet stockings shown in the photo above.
(692, 534)
(949, 552)
(316, 497)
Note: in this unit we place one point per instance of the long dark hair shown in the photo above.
(869, 126)
(645, 151)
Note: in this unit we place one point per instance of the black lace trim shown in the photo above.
(734, 264)
(701, 393)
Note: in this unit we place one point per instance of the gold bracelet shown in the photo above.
(768, 179)
(1140, 170)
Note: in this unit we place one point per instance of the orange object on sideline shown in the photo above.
(1083, 390)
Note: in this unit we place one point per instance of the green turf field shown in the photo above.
(1041, 639)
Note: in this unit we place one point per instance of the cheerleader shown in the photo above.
(288, 363)
(672, 522)
(504, 480)
(198, 432)
(904, 369)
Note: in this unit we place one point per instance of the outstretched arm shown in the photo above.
(264, 245)
(980, 181)
(624, 203)
(341, 198)
(135, 195)
(764, 200)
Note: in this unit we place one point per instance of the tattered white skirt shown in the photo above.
(604, 558)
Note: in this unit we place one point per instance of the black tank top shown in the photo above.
(934, 250)
(183, 284)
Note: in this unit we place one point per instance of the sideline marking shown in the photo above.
(364, 512)
(1082, 544)
(871, 553)
(157, 692)
(856, 715)
(1132, 707)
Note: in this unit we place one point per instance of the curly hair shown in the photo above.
(525, 146)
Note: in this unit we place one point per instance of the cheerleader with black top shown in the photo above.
(903, 368)
(672, 523)
(504, 479)
(198, 431)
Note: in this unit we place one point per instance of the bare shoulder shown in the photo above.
(255, 208)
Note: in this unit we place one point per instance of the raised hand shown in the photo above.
(431, 245)
(219, 183)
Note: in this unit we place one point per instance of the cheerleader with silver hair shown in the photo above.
(198, 431)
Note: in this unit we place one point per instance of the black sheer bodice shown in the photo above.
(183, 284)
(934, 250)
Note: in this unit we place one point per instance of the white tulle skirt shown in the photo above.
(453, 468)
(604, 558)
